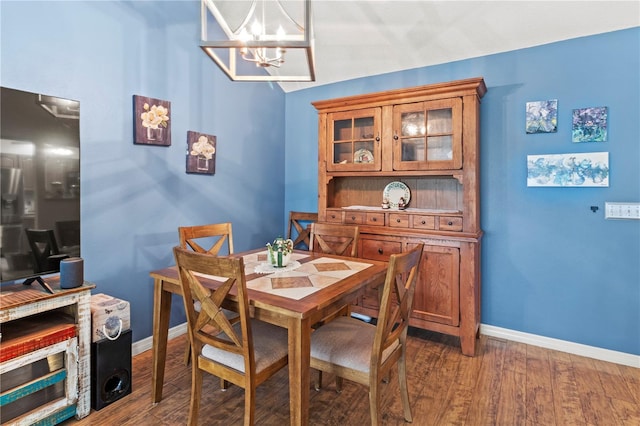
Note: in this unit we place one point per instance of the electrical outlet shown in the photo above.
(621, 210)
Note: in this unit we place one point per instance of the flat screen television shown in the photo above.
(40, 198)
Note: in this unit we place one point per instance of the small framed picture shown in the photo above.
(542, 116)
(589, 125)
(201, 153)
(151, 121)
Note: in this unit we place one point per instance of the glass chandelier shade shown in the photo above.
(259, 40)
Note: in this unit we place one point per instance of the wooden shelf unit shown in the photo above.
(427, 137)
(45, 370)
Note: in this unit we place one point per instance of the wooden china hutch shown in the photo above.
(418, 147)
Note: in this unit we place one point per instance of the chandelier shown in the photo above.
(259, 40)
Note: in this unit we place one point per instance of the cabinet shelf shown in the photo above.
(407, 210)
(442, 193)
(21, 336)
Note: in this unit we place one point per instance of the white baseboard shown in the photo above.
(147, 343)
(562, 345)
(488, 330)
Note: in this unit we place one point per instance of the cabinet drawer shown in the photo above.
(424, 222)
(449, 223)
(354, 218)
(376, 219)
(398, 220)
(379, 249)
(334, 216)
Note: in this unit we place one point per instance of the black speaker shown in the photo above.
(71, 272)
(110, 370)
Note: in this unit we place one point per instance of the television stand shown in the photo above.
(22, 312)
(40, 281)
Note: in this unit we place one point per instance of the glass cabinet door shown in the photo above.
(428, 135)
(354, 140)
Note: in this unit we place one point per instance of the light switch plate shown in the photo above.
(621, 210)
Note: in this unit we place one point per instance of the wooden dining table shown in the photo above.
(294, 298)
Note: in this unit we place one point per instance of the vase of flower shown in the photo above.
(154, 119)
(154, 134)
(203, 163)
(280, 252)
(203, 150)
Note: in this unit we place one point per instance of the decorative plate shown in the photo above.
(394, 191)
(363, 156)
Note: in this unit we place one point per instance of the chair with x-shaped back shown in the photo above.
(44, 249)
(299, 229)
(239, 350)
(333, 238)
(214, 236)
(338, 239)
(365, 353)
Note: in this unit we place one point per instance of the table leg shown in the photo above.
(161, 315)
(299, 381)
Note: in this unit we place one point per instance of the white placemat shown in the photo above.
(267, 268)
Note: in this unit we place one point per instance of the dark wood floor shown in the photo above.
(506, 383)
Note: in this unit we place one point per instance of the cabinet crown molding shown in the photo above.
(468, 87)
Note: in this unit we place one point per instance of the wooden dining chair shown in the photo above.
(365, 353)
(214, 236)
(68, 232)
(44, 250)
(332, 238)
(239, 350)
(338, 239)
(300, 223)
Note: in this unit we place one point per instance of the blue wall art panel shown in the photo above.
(589, 125)
(542, 116)
(583, 169)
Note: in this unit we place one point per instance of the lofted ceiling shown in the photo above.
(358, 38)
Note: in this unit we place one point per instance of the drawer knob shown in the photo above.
(375, 219)
(424, 222)
(353, 218)
(333, 216)
(380, 251)
(398, 220)
(450, 223)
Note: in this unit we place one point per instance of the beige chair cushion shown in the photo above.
(269, 343)
(346, 342)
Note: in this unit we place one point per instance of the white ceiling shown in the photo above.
(357, 38)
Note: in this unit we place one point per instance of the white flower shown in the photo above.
(280, 244)
(155, 116)
(203, 148)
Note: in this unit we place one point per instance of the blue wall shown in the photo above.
(550, 265)
(135, 196)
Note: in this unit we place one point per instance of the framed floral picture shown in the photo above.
(152, 123)
(542, 116)
(589, 125)
(201, 153)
